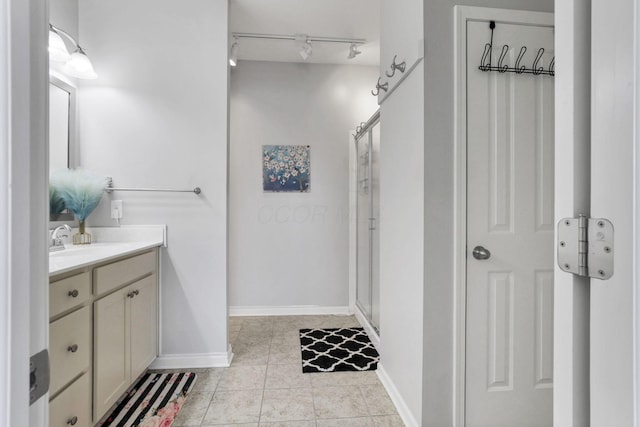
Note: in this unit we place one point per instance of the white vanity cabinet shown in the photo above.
(125, 326)
(103, 335)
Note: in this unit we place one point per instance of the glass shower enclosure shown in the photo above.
(367, 142)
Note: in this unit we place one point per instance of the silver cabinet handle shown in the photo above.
(481, 253)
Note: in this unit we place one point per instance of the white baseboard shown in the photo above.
(403, 410)
(196, 360)
(288, 310)
(373, 336)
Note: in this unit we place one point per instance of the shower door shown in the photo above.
(368, 207)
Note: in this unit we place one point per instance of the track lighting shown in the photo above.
(353, 51)
(306, 51)
(303, 40)
(77, 64)
(233, 56)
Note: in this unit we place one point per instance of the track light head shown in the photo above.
(306, 51)
(353, 51)
(233, 56)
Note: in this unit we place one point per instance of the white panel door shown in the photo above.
(509, 323)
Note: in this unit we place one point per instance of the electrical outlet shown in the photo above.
(116, 209)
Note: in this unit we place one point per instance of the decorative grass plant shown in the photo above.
(56, 202)
(81, 191)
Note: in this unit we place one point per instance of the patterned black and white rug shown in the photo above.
(337, 349)
(154, 401)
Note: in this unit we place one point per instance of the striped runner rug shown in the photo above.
(154, 400)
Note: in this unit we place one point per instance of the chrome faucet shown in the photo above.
(55, 241)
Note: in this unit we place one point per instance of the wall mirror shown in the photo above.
(62, 131)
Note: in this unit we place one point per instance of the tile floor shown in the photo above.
(265, 386)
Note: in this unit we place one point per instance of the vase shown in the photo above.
(81, 237)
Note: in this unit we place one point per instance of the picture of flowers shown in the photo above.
(285, 168)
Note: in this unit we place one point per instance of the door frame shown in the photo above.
(24, 308)
(462, 14)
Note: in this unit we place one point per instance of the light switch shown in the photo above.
(116, 209)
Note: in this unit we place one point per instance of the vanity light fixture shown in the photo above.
(76, 64)
(233, 56)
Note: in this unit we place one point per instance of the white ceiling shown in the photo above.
(353, 19)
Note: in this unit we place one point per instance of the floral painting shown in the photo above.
(286, 168)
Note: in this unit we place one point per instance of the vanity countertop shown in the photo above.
(110, 243)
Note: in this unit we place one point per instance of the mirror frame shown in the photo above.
(72, 148)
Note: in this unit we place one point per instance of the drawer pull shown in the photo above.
(133, 293)
(73, 349)
(74, 293)
(136, 292)
(72, 421)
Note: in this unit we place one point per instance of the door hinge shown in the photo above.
(585, 247)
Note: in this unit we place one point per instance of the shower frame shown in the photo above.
(365, 131)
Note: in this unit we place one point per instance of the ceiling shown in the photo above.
(352, 19)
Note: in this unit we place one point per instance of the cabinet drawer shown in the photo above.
(68, 293)
(112, 276)
(72, 404)
(70, 347)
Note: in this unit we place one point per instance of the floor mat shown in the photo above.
(155, 400)
(337, 349)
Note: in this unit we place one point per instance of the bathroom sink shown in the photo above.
(109, 243)
(87, 250)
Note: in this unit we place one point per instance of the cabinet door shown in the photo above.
(111, 350)
(144, 324)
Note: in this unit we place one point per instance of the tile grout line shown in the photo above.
(215, 390)
(266, 371)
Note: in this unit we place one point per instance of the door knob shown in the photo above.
(481, 253)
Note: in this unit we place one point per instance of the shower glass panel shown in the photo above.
(368, 206)
(374, 235)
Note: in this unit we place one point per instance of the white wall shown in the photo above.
(438, 376)
(402, 242)
(292, 249)
(157, 117)
(64, 15)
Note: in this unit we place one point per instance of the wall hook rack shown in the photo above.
(379, 86)
(518, 68)
(395, 66)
